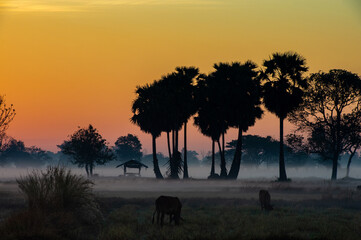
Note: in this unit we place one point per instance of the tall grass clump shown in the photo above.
(56, 188)
(61, 205)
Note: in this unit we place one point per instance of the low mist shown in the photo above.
(201, 172)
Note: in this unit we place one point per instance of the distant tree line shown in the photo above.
(257, 151)
(14, 152)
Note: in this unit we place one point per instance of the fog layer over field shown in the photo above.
(202, 172)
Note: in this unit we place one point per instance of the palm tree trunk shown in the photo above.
(282, 167)
(224, 155)
(173, 142)
(185, 163)
(173, 159)
(169, 151)
(223, 162)
(176, 140)
(223, 142)
(213, 161)
(233, 172)
(349, 162)
(157, 172)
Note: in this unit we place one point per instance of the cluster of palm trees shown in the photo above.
(228, 97)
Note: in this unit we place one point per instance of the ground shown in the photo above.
(305, 208)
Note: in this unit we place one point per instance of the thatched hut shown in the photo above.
(132, 164)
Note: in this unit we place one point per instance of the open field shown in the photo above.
(306, 208)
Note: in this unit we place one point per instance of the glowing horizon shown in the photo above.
(70, 63)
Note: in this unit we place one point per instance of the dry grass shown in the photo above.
(212, 210)
(56, 188)
(231, 221)
(61, 205)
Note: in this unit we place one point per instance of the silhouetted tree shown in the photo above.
(210, 118)
(283, 91)
(352, 123)
(187, 104)
(219, 86)
(296, 142)
(148, 159)
(321, 139)
(15, 152)
(7, 114)
(128, 147)
(242, 101)
(192, 157)
(169, 116)
(147, 109)
(256, 149)
(167, 113)
(233, 92)
(39, 155)
(178, 103)
(327, 113)
(88, 148)
(5, 140)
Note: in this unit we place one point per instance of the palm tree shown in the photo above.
(146, 110)
(167, 117)
(171, 118)
(187, 107)
(210, 117)
(243, 101)
(283, 90)
(178, 101)
(218, 97)
(209, 126)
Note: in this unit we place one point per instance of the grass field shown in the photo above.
(304, 209)
(228, 220)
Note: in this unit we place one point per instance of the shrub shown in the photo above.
(61, 205)
(56, 188)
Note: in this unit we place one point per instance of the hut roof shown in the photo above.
(133, 164)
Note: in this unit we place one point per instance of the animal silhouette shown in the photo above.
(265, 200)
(170, 206)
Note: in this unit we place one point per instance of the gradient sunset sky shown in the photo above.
(68, 63)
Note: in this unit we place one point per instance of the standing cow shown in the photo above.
(167, 205)
(265, 200)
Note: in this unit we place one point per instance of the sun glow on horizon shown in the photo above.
(70, 63)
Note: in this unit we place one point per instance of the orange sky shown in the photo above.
(68, 63)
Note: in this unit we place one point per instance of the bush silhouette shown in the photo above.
(61, 205)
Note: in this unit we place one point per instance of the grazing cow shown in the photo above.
(167, 205)
(265, 200)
